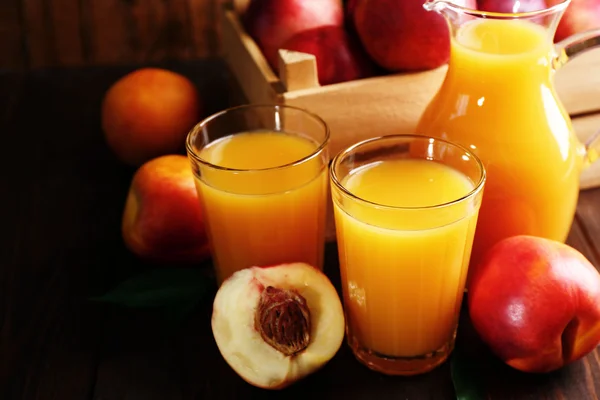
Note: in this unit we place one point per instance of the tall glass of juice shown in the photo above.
(405, 209)
(261, 176)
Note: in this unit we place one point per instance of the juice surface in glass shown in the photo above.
(498, 100)
(269, 213)
(404, 273)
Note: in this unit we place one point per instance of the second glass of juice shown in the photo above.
(405, 210)
(261, 176)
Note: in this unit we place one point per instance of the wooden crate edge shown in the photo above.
(246, 62)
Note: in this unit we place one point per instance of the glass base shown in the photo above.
(403, 366)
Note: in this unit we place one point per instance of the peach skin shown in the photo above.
(536, 303)
(162, 219)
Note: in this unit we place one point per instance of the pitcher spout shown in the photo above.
(452, 10)
(435, 5)
(443, 7)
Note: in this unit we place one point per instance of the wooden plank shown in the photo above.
(66, 25)
(297, 70)
(151, 30)
(578, 83)
(579, 236)
(136, 362)
(144, 22)
(386, 105)
(160, 30)
(109, 37)
(53, 32)
(177, 30)
(11, 36)
(586, 127)
(588, 216)
(585, 237)
(41, 321)
(67, 359)
(205, 27)
(39, 33)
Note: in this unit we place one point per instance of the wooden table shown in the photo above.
(61, 204)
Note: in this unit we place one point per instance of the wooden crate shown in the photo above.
(379, 105)
(386, 104)
(390, 104)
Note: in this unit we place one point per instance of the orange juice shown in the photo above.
(498, 100)
(260, 207)
(404, 269)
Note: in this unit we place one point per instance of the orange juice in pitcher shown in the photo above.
(498, 99)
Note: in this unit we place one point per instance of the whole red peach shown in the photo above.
(162, 219)
(536, 303)
(148, 113)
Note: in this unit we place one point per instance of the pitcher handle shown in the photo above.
(567, 49)
(574, 45)
(592, 149)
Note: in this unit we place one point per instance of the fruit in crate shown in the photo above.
(402, 35)
(349, 6)
(275, 325)
(338, 53)
(510, 6)
(271, 22)
(581, 15)
(162, 220)
(148, 113)
(536, 303)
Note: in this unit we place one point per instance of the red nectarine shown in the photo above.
(339, 55)
(162, 219)
(148, 113)
(402, 35)
(271, 22)
(580, 15)
(536, 303)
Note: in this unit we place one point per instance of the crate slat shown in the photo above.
(245, 60)
(578, 83)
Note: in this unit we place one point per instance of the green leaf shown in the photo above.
(160, 288)
(466, 377)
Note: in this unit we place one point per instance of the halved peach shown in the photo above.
(276, 325)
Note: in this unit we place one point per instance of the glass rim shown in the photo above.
(472, 193)
(501, 15)
(198, 127)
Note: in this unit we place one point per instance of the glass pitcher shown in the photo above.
(498, 99)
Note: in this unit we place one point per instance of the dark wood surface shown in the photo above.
(61, 204)
(50, 33)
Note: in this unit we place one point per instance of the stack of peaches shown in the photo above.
(534, 302)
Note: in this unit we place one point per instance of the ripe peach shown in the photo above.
(580, 15)
(339, 55)
(275, 325)
(162, 219)
(536, 303)
(402, 35)
(148, 113)
(271, 22)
